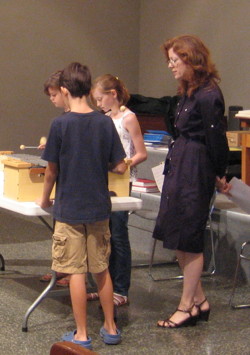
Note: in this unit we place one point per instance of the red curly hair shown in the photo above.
(194, 53)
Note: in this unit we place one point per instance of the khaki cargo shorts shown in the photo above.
(78, 248)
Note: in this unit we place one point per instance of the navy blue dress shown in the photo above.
(195, 158)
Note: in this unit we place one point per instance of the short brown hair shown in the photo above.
(77, 79)
(52, 82)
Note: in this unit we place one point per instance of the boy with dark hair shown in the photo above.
(82, 146)
(51, 88)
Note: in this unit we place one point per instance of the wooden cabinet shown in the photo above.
(245, 167)
(151, 121)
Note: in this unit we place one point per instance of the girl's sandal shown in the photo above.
(92, 296)
(190, 321)
(64, 282)
(48, 277)
(120, 300)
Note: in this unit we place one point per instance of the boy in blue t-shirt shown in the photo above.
(82, 146)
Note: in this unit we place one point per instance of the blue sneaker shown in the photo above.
(110, 339)
(70, 337)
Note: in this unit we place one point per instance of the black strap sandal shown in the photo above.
(190, 321)
(203, 315)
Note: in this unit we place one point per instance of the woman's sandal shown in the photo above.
(203, 315)
(190, 321)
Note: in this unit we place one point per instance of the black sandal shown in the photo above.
(190, 321)
(203, 315)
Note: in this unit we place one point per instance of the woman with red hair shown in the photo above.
(195, 163)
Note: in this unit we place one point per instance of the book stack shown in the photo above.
(144, 185)
(156, 138)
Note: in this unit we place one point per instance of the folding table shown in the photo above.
(32, 209)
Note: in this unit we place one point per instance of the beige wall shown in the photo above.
(41, 36)
(223, 25)
(123, 37)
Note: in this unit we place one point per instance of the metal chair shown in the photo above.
(151, 216)
(242, 256)
(209, 227)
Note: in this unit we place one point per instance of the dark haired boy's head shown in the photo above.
(52, 82)
(76, 78)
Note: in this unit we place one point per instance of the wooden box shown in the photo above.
(119, 184)
(23, 181)
(4, 156)
(234, 138)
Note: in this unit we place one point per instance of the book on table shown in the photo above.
(145, 189)
(144, 185)
(144, 182)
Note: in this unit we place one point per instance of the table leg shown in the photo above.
(46, 223)
(38, 301)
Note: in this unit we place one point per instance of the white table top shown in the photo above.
(32, 209)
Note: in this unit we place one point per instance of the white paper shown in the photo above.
(244, 113)
(240, 194)
(158, 175)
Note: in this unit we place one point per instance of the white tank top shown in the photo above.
(126, 142)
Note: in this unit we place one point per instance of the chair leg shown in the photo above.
(212, 247)
(213, 266)
(151, 264)
(3, 263)
(204, 274)
(241, 257)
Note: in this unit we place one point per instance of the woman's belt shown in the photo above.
(200, 139)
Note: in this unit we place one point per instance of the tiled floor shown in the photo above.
(25, 244)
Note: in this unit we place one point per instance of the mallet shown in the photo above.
(43, 141)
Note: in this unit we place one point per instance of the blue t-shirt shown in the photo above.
(82, 145)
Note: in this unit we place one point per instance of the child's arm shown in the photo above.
(132, 126)
(51, 173)
(119, 168)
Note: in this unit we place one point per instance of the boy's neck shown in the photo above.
(79, 105)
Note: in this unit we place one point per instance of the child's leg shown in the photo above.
(120, 258)
(105, 290)
(79, 303)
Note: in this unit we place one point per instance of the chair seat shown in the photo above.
(69, 348)
(147, 214)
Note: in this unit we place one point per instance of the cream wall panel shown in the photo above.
(41, 36)
(223, 25)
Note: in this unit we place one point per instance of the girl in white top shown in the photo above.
(110, 95)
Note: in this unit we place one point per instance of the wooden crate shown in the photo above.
(23, 181)
(234, 138)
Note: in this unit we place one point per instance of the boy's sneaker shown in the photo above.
(110, 339)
